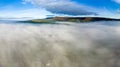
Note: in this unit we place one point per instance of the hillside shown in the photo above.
(84, 19)
(70, 19)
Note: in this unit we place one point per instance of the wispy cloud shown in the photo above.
(117, 1)
(31, 13)
(63, 7)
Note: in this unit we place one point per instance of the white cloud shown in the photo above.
(117, 1)
(63, 7)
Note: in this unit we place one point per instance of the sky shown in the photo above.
(41, 8)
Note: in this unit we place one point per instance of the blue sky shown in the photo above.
(40, 8)
(109, 4)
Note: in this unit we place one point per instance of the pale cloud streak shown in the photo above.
(117, 1)
(31, 13)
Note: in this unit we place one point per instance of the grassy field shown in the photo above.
(43, 21)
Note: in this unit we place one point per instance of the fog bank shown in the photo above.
(60, 45)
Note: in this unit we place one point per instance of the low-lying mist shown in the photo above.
(60, 45)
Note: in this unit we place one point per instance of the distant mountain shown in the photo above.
(69, 19)
(84, 19)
